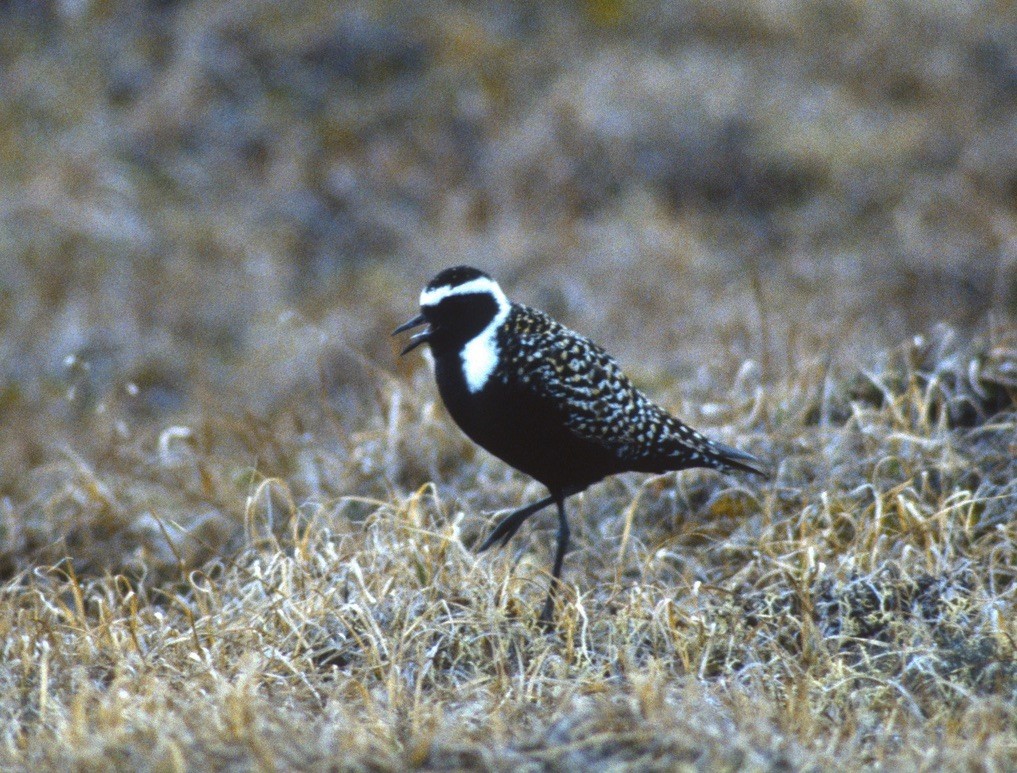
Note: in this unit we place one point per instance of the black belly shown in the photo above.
(524, 432)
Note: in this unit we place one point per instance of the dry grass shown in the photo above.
(237, 532)
(858, 609)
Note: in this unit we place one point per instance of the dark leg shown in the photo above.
(511, 523)
(547, 615)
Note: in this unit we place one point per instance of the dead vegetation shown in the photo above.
(236, 532)
(858, 608)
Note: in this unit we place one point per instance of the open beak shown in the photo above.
(417, 338)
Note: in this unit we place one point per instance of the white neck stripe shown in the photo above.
(481, 284)
(480, 355)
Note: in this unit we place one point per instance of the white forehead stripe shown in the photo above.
(481, 284)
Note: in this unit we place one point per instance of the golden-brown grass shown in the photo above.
(237, 532)
(856, 610)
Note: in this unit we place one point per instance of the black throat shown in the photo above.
(457, 320)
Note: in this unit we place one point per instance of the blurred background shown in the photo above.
(212, 214)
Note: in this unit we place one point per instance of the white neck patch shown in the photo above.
(480, 355)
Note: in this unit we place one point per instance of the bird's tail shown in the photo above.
(727, 457)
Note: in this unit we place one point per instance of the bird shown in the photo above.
(547, 401)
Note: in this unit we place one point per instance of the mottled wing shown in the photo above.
(597, 402)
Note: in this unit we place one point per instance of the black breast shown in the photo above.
(524, 431)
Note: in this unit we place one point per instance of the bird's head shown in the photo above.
(457, 305)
